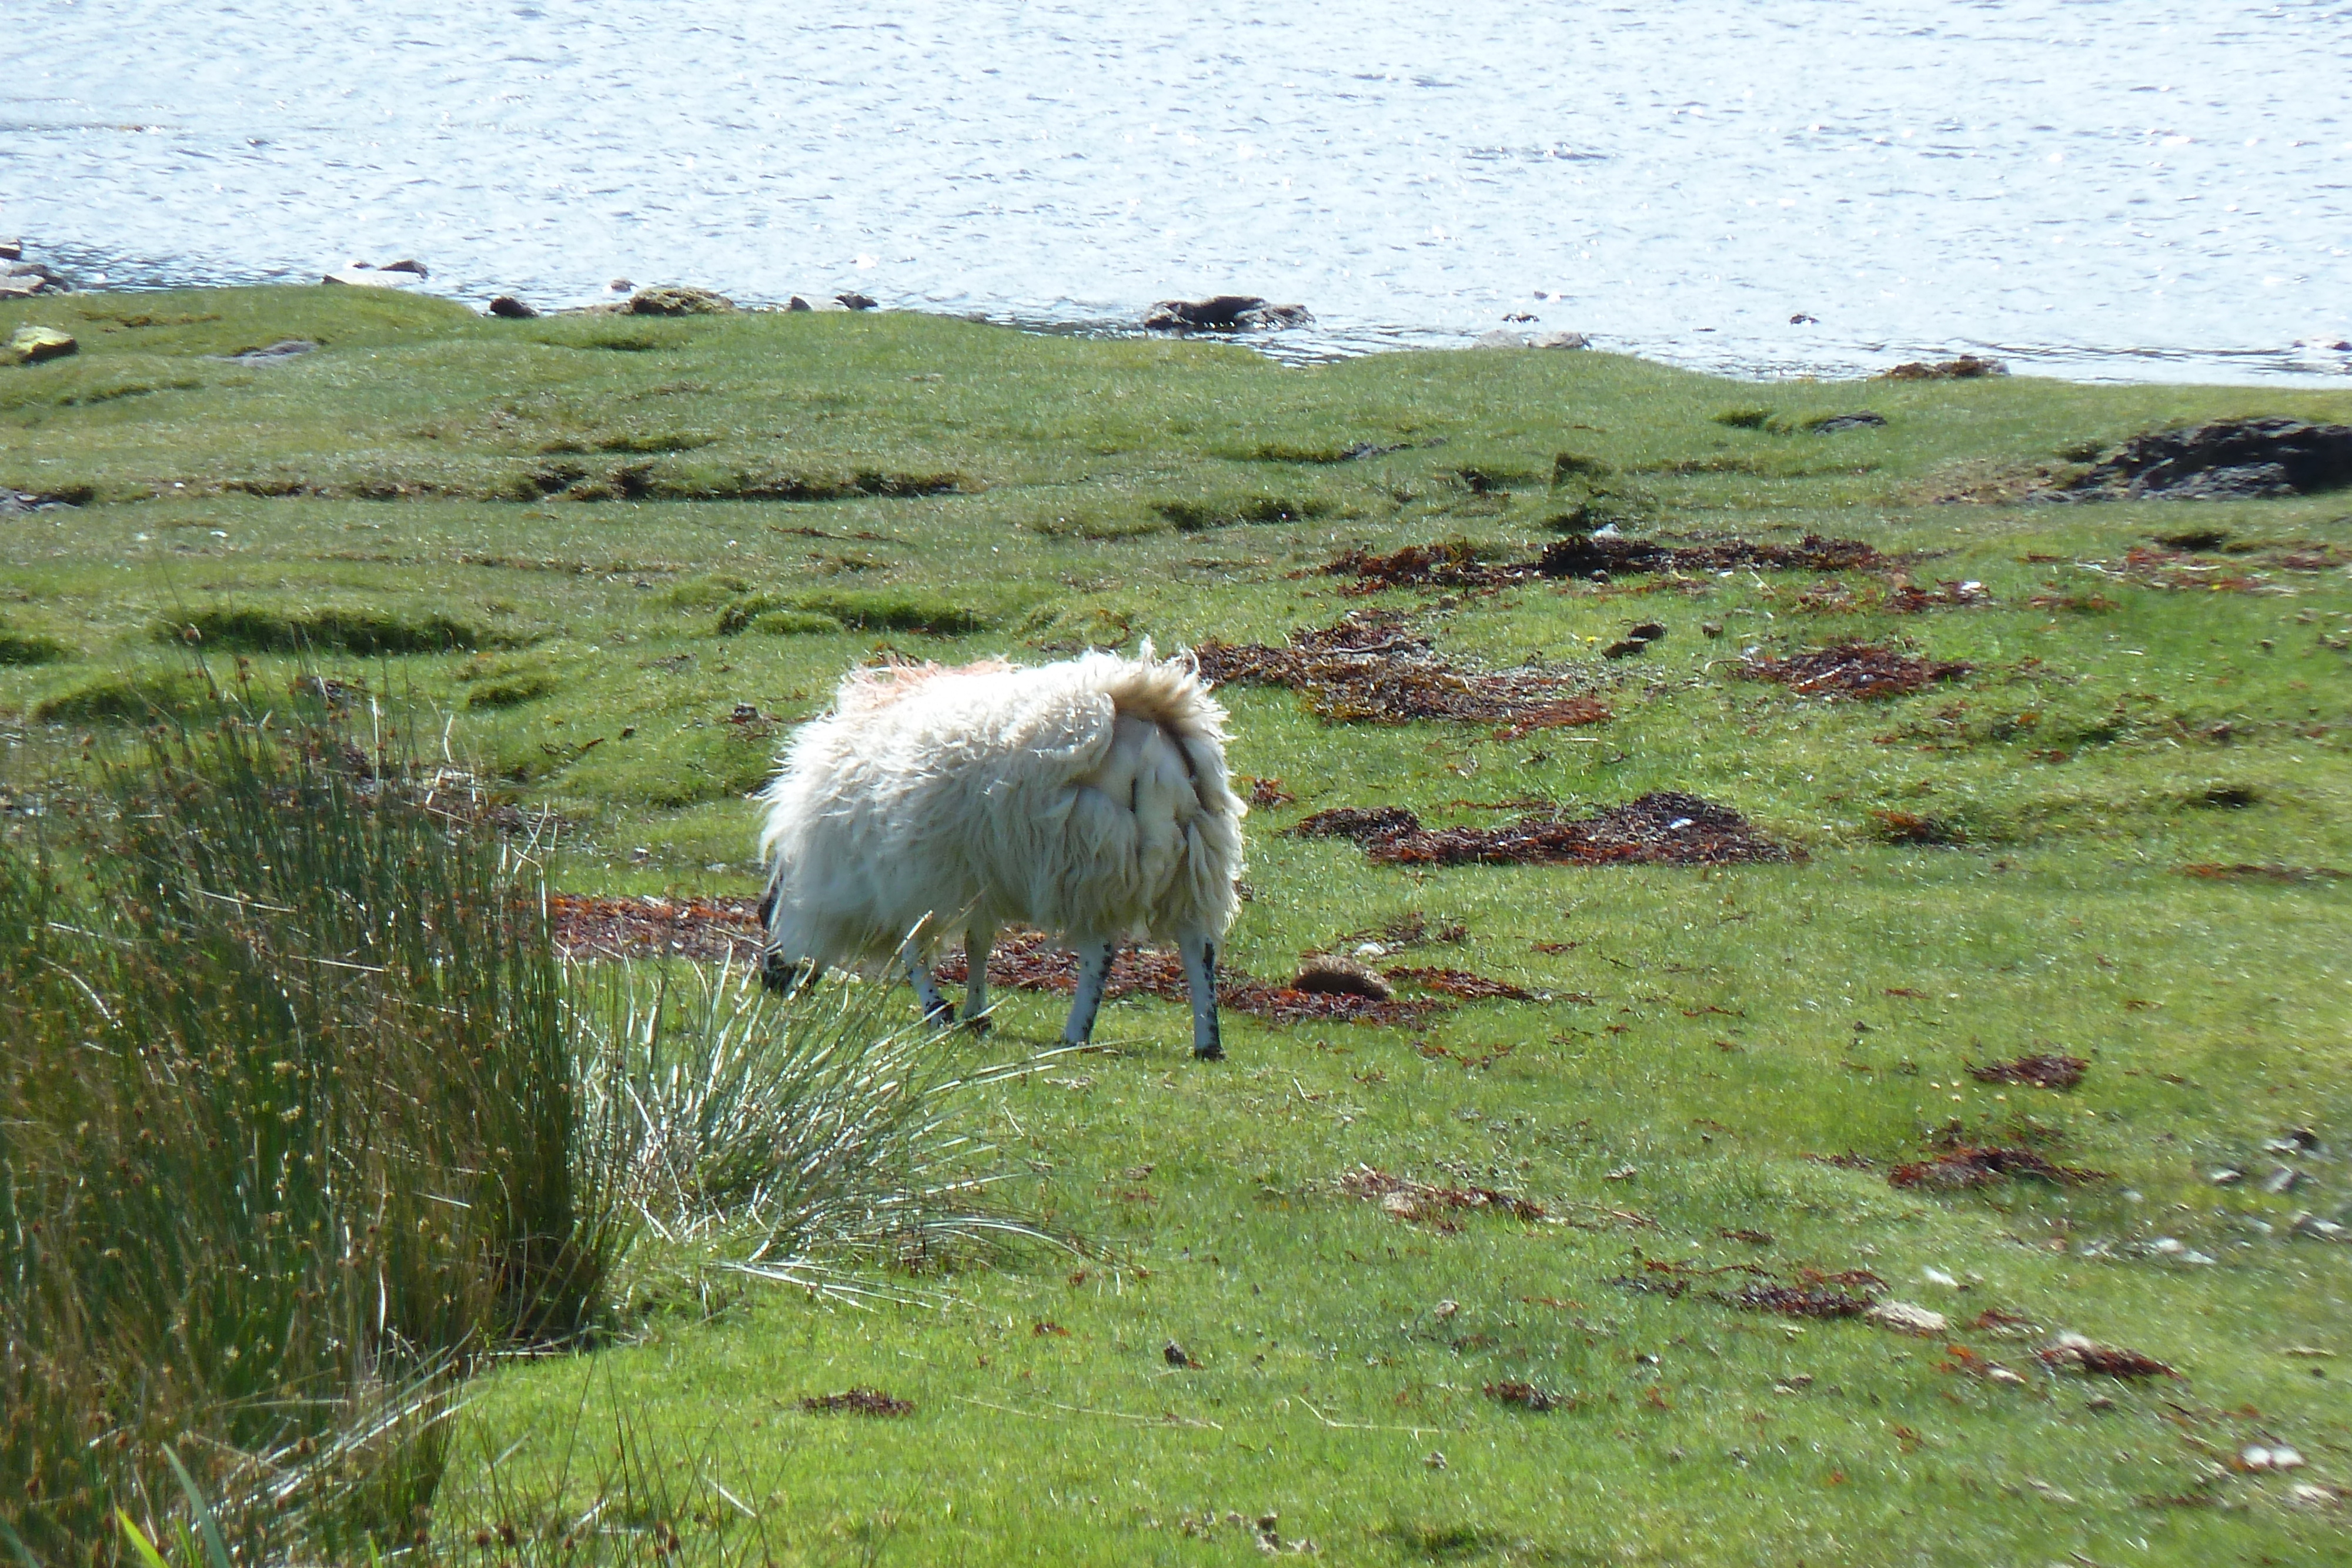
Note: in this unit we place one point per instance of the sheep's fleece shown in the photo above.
(1087, 798)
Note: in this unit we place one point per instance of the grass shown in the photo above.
(1706, 1031)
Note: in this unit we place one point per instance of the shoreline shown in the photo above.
(2309, 365)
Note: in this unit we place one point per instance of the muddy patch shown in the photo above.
(1370, 668)
(1660, 828)
(1853, 670)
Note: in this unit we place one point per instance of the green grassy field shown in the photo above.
(582, 543)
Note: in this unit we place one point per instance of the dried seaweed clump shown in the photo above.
(1965, 1166)
(1659, 829)
(1423, 1202)
(1527, 1395)
(1853, 670)
(1028, 961)
(1455, 563)
(858, 1401)
(2039, 1072)
(703, 929)
(1369, 668)
(2073, 1351)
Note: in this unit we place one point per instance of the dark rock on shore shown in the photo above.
(509, 307)
(2228, 460)
(677, 299)
(12, 250)
(854, 301)
(1968, 367)
(1223, 313)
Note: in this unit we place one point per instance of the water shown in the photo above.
(2104, 189)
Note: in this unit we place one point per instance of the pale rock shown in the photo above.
(1905, 1318)
(1559, 340)
(30, 344)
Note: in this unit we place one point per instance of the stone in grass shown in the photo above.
(30, 344)
(509, 307)
(1328, 974)
(1905, 1318)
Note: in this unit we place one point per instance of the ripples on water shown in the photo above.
(2139, 189)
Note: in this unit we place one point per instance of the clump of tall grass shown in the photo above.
(302, 1114)
(289, 1134)
(786, 1134)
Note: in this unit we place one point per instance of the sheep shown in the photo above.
(1087, 798)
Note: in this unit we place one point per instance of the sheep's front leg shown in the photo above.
(1094, 975)
(936, 1011)
(1200, 952)
(977, 940)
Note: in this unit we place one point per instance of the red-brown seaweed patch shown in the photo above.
(1966, 1165)
(1853, 670)
(1369, 668)
(1455, 563)
(2039, 1072)
(1659, 829)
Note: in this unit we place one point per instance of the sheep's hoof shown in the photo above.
(1212, 1053)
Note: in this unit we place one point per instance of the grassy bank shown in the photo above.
(592, 542)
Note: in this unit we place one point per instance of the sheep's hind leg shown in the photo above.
(1201, 978)
(936, 1011)
(1094, 975)
(977, 941)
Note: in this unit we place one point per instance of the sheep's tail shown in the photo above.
(1171, 805)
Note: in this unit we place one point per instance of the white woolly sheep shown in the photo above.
(1087, 798)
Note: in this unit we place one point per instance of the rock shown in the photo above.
(511, 308)
(797, 303)
(21, 278)
(1500, 338)
(285, 348)
(1647, 632)
(1802, 320)
(1861, 420)
(409, 265)
(360, 275)
(2228, 1175)
(1905, 1318)
(12, 250)
(853, 300)
(2281, 1180)
(1223, 313)
(32, 344)
(677, 299)
(1968, 367)
(2229, 459)
(1559, 340)
(619, 286)
(1625, 648)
